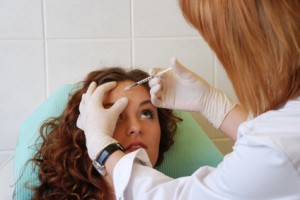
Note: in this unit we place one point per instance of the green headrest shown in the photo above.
(192, 147)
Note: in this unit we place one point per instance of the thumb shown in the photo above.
(177, 66)
(79, 122)
(100, 91)
(119, 105)
(156, 101)
(180, 70)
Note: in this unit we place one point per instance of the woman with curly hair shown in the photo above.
(65, 169)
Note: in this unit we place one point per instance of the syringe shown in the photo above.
(147, 79)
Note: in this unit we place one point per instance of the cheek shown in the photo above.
(154, 139)
(154, 151)
(118, 134)
(156, 136)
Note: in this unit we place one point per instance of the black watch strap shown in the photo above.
(104, 155)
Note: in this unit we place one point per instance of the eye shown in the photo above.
(147, 114)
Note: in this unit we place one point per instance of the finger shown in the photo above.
(156, 90)
(151, 71)
(91, 88)
(158, 94)
(79, 122)
(164, 75)
(82, 102)
(101, 90)
(155, 101)
(154, 81)
(83, 98)
(180, 70)
(119, 105)
(177, 66)
(155, 70)
(81, 106)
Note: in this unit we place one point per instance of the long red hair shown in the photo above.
(258, 43)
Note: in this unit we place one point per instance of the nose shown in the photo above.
(134, 127)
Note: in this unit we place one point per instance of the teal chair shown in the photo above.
(191, 150)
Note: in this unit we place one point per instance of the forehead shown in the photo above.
(137, 93)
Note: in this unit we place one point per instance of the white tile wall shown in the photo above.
(21, 19)
(67, 19)
(22, 83)
(6, 179)
(159, 18)
(193, 52)
(68, 61)
(46, 43)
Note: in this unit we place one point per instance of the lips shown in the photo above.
(135, 146)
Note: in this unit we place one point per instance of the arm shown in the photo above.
(229, 126)
(233, 120)
(183, 90)
(112, 161)
(98, 133)
(242, 175)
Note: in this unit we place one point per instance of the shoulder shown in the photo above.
(285, 120)
(276, 131)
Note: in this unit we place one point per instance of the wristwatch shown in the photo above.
(104, 155)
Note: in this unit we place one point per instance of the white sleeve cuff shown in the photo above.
(123, 169)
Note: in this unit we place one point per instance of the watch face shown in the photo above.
(104, 155)
(107, 151)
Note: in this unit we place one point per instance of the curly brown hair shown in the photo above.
(65, 170)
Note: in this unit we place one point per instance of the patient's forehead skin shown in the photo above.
(120, 88)
(119, 92)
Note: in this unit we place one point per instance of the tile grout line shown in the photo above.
(132, 34)
(45, 51)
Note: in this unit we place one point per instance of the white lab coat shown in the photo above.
(264, 164)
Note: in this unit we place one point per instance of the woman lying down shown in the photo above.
(65, 169)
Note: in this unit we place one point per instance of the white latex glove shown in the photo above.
(183, 90)
(97, 122)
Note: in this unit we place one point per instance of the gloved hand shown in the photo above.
(97, 122)
(183, 90)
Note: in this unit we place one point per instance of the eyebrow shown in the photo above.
(146, 102)
(109, 104)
